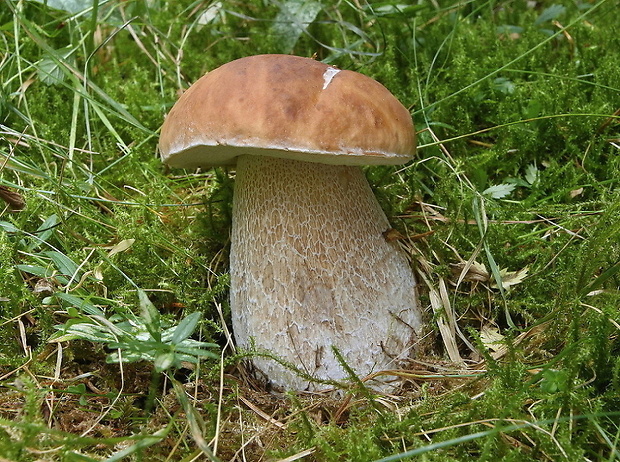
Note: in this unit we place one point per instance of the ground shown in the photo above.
(114, 323)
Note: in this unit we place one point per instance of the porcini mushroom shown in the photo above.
(309, 263)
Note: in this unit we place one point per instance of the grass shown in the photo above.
(511, 212)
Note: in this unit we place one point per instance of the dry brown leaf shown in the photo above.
(476, 272)
(121, 246)
(14, 199)
(512, 278)
(491, 337)
(576, 192)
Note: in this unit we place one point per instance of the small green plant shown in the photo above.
(141, 338)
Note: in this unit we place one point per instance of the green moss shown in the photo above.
(15, 299)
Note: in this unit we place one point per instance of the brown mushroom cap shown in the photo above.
(289, 107)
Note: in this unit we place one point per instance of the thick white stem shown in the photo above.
(311, 269)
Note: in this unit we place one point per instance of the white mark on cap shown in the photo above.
(328, 75)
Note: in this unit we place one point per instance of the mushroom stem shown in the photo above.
(311, 269)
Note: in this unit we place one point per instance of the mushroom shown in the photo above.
(310, 266)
